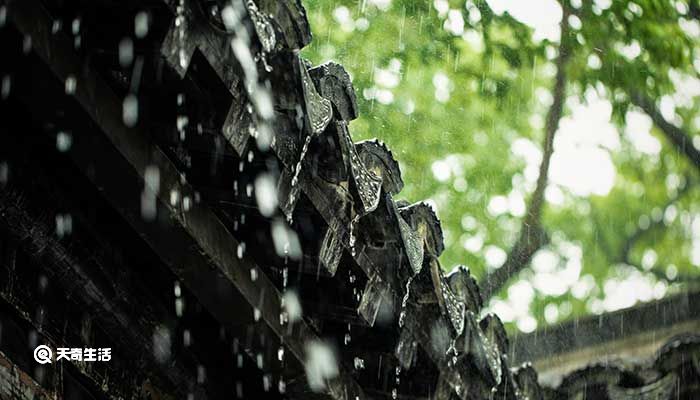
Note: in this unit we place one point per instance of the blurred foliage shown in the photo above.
(457, 90)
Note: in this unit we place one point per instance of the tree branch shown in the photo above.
(532, 235)
(628, 245)
(674, 134)
(694, 9)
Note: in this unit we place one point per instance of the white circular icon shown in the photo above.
(42, 354)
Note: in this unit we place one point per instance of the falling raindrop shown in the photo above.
(70, 84)
(126, 52)
(161, 344)
(182, 122)
(27, 44)
(4, 172)
(352, 235)
(285, 240)
(64, 225)
(404, 302)
(174, 197)
(6, 86)
(280, 354)
(239, 390)
(141, 24)
(294, 190)
(179, 306)
(284, 318)
(75, 26)
(43, 283)
(320, 365)
(64, 140)
(180, 24)
(292, 306)
(256, 314)
(56, 26)
(201, 374)
(130, 110)
(150, 190)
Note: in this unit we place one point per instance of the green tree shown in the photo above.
(479, 112)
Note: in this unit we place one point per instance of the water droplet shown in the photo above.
(64, 225)
(359, 363)
(294, 190)
(130, 110)
(70, 84)
(182, 122)
(179, 306)
(280, 353)
(6, 86)
(64, 140)
(75, 26)
(404, 302)
(183, 58)
(266, 382)
(56, 26)
(4, 172)
(141, 24)
(126, 52)
(201, 374)
(174, 197)
(320, 365)
(292, 306)
(161, 344)
(256, 314)
(27, 44)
